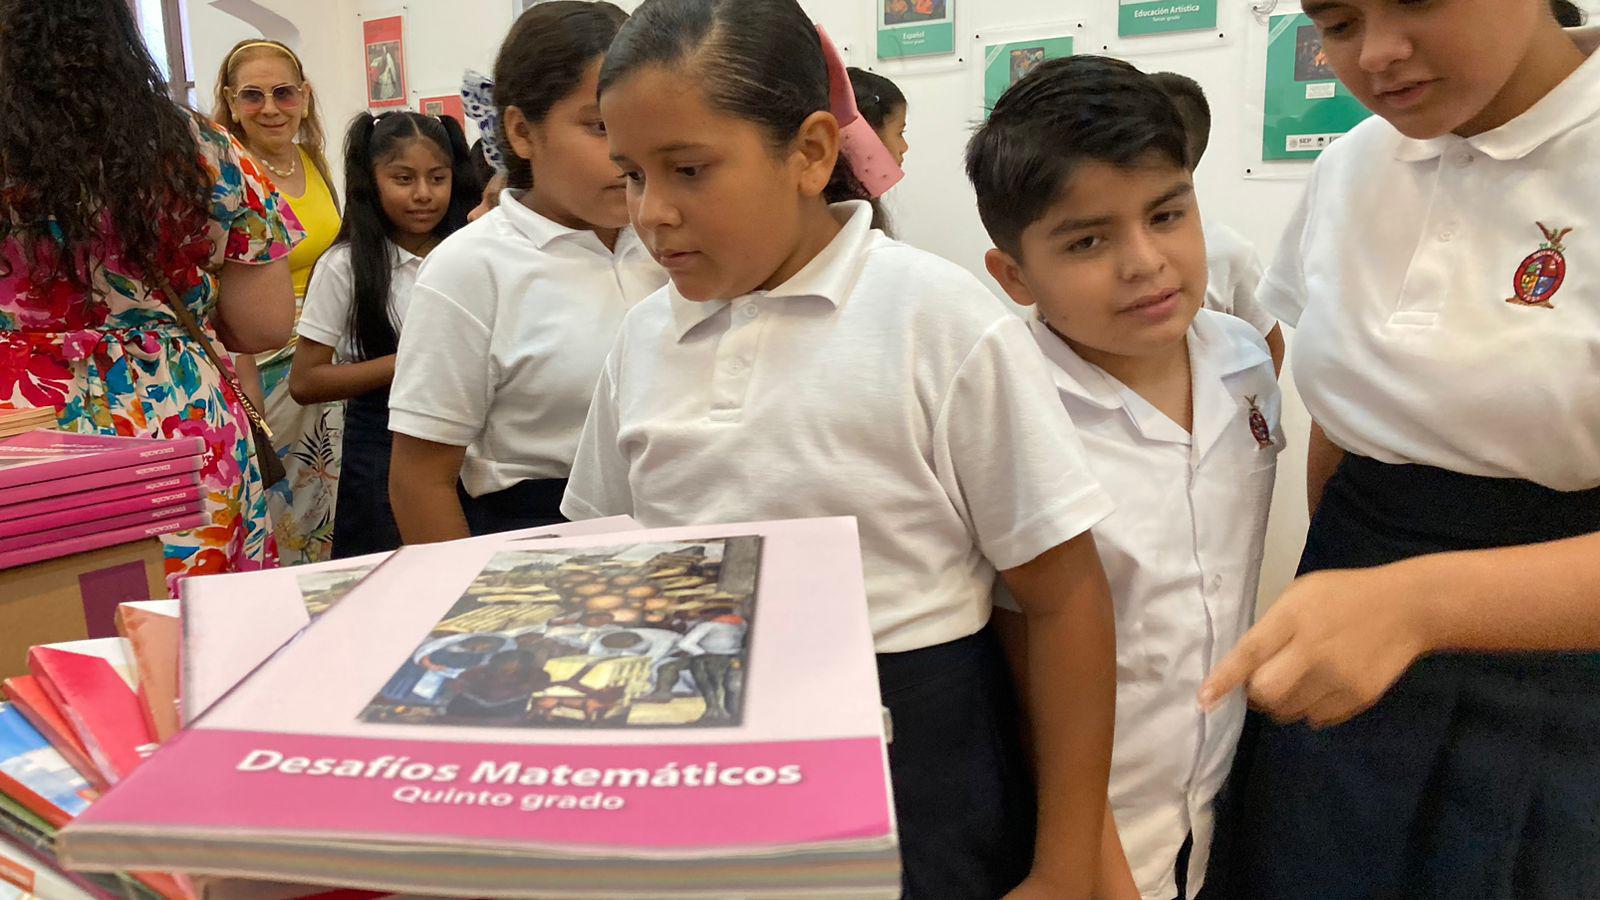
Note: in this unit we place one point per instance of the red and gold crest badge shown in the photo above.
(1541, 274)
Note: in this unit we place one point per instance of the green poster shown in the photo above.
(1005, 64)
(909, 28)
(1306, 107)
(1136, 18)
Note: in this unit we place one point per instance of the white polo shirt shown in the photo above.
(880, 382)
(326, 316)
(506, 333)
(1419, 340)
(1183, 554)
(1234, 274)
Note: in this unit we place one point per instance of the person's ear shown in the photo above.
(1006, 270)
(520, 133)
(815, 151)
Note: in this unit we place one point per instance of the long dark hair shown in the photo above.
(758, 60)
(542, 60)
(366, 228)
(74, 73)
(876, 96)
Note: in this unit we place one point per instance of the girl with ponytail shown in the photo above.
(408, 185)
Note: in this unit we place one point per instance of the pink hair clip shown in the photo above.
(869, 158)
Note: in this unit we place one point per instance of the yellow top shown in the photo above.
(319, 217)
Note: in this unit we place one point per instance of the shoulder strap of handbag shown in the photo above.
(187, 320)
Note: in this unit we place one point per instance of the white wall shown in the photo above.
(934, 207)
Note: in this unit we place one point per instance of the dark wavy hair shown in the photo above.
(90, 142)
(759, 60)
(542, 60)
(366, 228)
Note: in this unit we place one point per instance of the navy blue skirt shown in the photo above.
(963, 790)
(526, 504)
(1476, 777)
(363, 521)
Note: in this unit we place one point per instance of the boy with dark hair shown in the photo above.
(1083, 182)
(1235, 269)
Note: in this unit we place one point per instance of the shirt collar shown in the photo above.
(829, 276)
(402, 257)
(1216, 353)
(1571, 103)
(542, 232)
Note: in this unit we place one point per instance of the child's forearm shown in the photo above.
(1322, 459)
(1071, 654)
(1529, 598)
(422, 490)
(331, 382)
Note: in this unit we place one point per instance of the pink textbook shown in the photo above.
(47, 455)
(97, 506)
(688, 712)
(87, 542)
(232, 623)
(90, 525)
(127, 481)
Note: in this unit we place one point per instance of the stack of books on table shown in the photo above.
(15, 420)
(64, 493)
(687, 712)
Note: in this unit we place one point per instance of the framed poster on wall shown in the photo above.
(383, 52)
(1006, 58)
(1305, 108)
(914, 28)
(1140, 18)
(444, 105)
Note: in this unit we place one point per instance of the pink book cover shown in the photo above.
(89, 508)
(479, 713)
(47, 455)
(95, 525)
(30, 699)
(93, 684)
(127, 481)
(232, 623)
(87, 542)
(154, 632)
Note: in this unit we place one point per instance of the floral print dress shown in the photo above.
(116, 360)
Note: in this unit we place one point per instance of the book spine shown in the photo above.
(56, 549)
(91, 462)
(68, 486)
(36, 804)
(21, 534)
(102, 513)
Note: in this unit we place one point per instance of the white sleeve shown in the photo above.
(1283, 290)
(1246, 272)
(325, 317)
(1008, 455)
(598, 486)
(442, 386)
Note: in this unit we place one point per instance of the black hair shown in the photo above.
(1064, 113)
(759, 60)
(541, 62)
(1568, 13)
(367, 229)
(91, 144)
(482, 169)
(876, 96)
(1190, 99)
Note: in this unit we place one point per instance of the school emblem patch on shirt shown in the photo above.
(1541, 274)
(1258, 425)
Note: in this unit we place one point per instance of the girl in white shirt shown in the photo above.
(510, 319)
(407, 187)
(801, 364)
(1432, 674)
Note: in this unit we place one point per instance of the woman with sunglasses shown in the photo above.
(264, 100)
(115, 205)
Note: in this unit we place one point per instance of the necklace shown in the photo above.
(294, 166)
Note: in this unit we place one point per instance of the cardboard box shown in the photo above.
(73, 597)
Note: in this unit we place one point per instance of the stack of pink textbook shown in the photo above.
(63, 493)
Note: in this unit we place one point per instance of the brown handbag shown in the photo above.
(272, 470)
